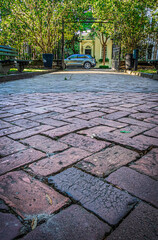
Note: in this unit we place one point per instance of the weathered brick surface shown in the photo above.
(30, 132)
(141, 116)
(116, 115)
(90, 115)
(105, 162)
(10, 130)
(25, 123)
(108, 122)
(84, 142)
(138, 184)
(16, 110)
(3, 206)
(4, 124)
(73, 223)
(28, 196)
(148, 164)
(137, 122)
(109, 203)
(81, 121)
(52, 122)
(10, 226)
(64, 130)
(45, 144)
(141, 224)
(153, 132)
(67, 115)
(16, 117)
(126, 141)
(57, 162)
(95, 130)
(146, 141)
(19, 159)
(130, 131)
(9, 146)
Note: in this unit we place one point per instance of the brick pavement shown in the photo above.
(79, 166)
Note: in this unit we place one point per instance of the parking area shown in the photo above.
(80, 80)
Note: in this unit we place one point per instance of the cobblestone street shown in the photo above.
(79, 164)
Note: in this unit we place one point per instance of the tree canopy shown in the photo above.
(39, 23)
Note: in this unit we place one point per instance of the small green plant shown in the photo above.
(101, 60)
(105, 67)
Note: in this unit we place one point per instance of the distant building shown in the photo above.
(91, 45)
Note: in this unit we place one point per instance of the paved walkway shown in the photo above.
(79, 166)
(81, 81)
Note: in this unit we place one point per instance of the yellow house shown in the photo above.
(93, 47)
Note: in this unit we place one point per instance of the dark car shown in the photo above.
(85, 61)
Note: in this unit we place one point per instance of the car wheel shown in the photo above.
(87, 65)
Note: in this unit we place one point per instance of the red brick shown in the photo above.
(67, 115)
(90, 115)
(3, 206)
(141, 116)
(109, 203)
(5, 114)
(28, 196)
(109, 123)
(152, 120)
(19, 159)
(105, 162)
(84, 142)
(107, 110)
(148, 164)
(58, 162)
(138, 184)
(10, 130)
(16, 117)
(52, 122)
(4, 124)
(10, 226)
(140, 224)
(9, 146)
(116, 115)
(45, 144)
(137, 122)
(73, 223)
(81, 121)
(30, 132)
(95, 130)
(153, 132)
(64, 130)
(131, 130)
(16, 110)
(123, 140)
(146, 141)
(25, 123)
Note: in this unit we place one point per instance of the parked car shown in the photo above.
(85, 61)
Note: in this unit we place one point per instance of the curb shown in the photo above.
(153, 76)
(19, 76)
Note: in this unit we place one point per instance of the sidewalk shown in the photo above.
(79, 166)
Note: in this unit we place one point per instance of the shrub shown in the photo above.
(106, 67)
(106, 60)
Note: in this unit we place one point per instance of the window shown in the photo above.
(82, 56)
(73, 56)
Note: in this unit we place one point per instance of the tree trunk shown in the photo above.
(104, 54)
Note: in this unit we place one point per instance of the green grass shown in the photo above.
(147, 70)
(13, 70)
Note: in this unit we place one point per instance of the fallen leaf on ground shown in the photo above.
(49, 199)
(34, 223)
